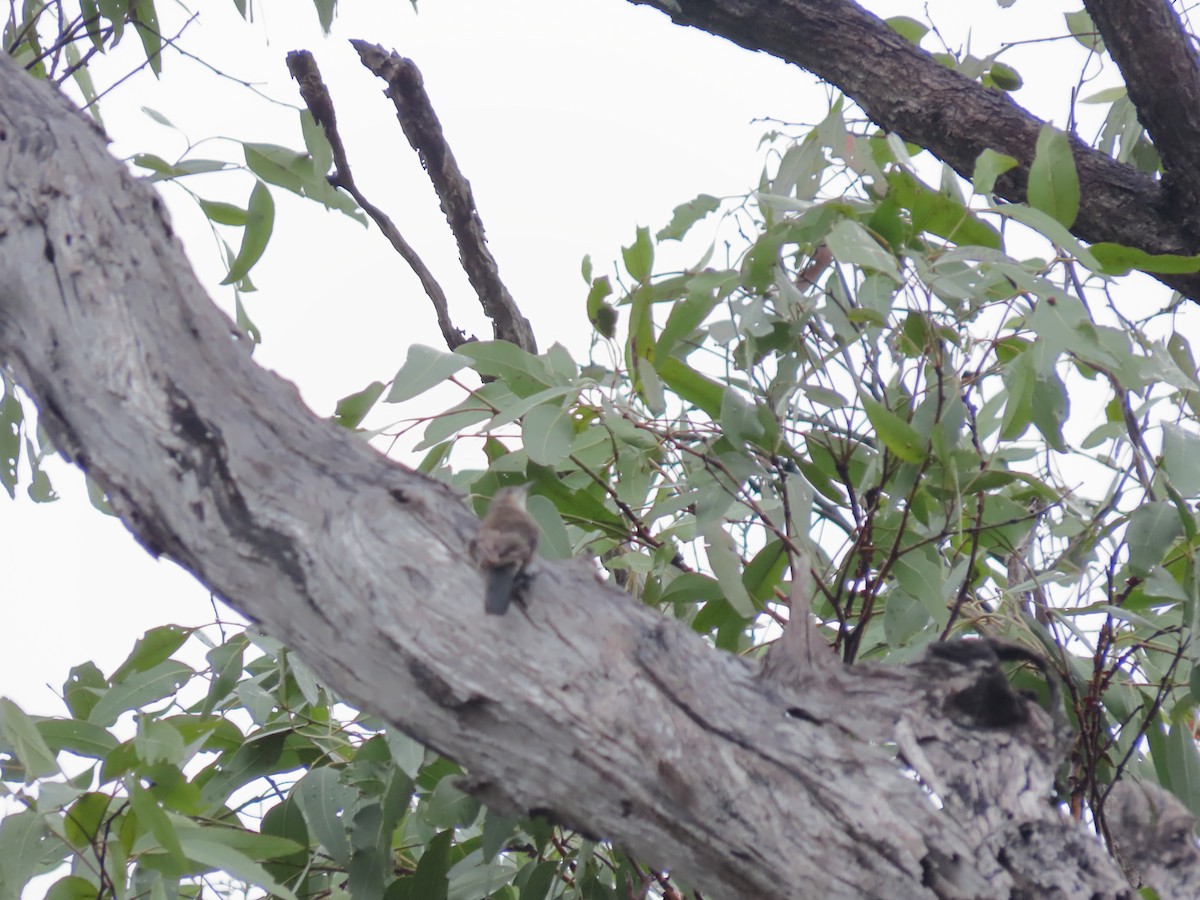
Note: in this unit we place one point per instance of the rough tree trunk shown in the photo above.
(804, 781)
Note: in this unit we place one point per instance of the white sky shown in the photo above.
(574, 121)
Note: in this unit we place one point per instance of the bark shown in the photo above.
(930, 780)
(904, 89)
(1153, 50)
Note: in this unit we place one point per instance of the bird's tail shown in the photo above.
(500, 581)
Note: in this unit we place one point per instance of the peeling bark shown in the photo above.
(930, 780)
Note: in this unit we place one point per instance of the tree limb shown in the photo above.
(1162, 74)
(406, 88)
(316, 97)
(904, 89)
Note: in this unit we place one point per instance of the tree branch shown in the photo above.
(904, 89)
(316, 97)
(424, 132)
(1148, 42)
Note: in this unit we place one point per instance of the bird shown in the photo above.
(504, 547)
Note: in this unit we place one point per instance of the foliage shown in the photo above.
(948, 407)
(180, 780)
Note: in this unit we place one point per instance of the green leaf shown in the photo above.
(260, 221)
(155, 164)
(510, 412)
(351, 410)
(407, 753)
(472, 879)
(10, 441)
(153, 647)
(1181, 458)
(72, 887)
(687, 314)
(1051, 228)
(226, 661)
(739, 419)
(1183, 766)
(852, 244)
(83, 688)
(158, 117)
(547, 433)
(904, 617)
(76, 736)
(1107, 95)
(686, 215)
(897, 435)
(430, 880)
(369, 863)
(639, 256)
(223, 213)
(692, 587)
(937, 212)
(1084, 30)
(599, 313)
(921, 575)
(1005, 77)
(1152, 529)
(690, 386)
(1050, 406)
(139, 691)
(540, 880)
(497, 829)
(451, 422)
(423, 368)
(323, 798)
(256, 845)
(24, 840)
(988, 167)
(154, 820)
(145, 21)
(200, 166)
(508, 362)
(277, 165)
(87, 816)
(158, 742)
(22, 734)
(285, 820)
(725, 563)
(908, 28)
(765, 572)
(1053, 180)
(226, 859)
(316, 143)
(799, 172)
(1116, 259)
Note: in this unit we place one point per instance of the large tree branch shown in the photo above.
(1148, 42)
(904, 89)
(592, 708)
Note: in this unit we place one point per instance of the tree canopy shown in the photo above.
(869, 532)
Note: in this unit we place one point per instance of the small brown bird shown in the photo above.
(504, 547)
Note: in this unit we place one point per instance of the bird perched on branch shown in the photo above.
(504, 547)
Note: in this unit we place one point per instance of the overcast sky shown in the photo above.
(574, 121)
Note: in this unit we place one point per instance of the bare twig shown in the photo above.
(316, 97)
(424, 133)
